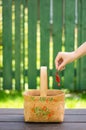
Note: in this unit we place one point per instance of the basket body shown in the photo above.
(44, 109)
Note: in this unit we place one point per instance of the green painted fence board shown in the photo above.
(7, 44)
(83, 33)
(57, 33)
(45, 32)
(32, 23)
(69, 41)
(17, 44)
(23, 40)
(78, 69)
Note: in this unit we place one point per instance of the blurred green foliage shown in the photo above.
(14, 99)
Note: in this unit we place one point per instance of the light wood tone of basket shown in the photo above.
(44, 109)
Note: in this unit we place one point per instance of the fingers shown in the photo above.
(57, 60)
(56, 63)
(61, 67)
(60, 62)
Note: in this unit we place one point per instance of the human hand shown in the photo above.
(62, 59)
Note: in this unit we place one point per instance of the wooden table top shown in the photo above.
(13, 119)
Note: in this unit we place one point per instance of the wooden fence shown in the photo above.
(32, 32)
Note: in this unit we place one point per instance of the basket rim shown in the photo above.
(50, 93)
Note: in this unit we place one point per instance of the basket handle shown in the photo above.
(43, 81)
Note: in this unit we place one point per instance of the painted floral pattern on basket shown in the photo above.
(42, 111)
(42, 99)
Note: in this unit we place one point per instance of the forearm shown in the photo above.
(81, 51)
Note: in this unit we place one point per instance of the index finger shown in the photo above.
(57, 62)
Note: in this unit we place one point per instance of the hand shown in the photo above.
(62, 59)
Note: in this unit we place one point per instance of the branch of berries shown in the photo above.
(57, 78)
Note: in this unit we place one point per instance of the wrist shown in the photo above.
(74, 55)
(77, 54)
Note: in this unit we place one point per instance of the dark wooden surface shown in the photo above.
(13, 119)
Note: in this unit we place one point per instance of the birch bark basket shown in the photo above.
(44, 105)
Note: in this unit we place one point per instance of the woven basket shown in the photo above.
(44, 109)
(44, 105)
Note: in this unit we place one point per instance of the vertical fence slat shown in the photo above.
(69, 41)
(57, 33)
(17, 44)
(79, 38)
(1, 62)
(83, 39)
(7, 44)
(45, 31)
(32, 23)
(23, 41)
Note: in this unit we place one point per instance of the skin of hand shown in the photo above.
(63, 58)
